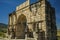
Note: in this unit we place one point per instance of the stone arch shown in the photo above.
(21, 26)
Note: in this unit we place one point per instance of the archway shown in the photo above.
(21, 26)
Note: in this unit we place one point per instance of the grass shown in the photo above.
(2, 31)
(2, 35)
(58, 38)
(58, 34)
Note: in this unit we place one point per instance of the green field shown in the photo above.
(3, 35)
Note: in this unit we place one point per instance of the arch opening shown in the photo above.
(21, 26)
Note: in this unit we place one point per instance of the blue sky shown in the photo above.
(8, 6)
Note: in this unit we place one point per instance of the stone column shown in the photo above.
(40, 25)
(28, 1)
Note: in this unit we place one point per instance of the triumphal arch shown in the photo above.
(34, 21)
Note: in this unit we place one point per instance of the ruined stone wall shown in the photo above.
(50, 21)
(38, 19)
